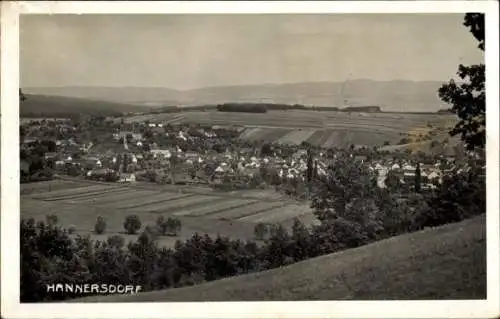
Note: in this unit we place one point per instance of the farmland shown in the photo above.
(81, 202)
(327, 129)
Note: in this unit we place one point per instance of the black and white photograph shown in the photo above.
(250, 156)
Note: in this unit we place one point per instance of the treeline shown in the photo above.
(352, 211)
(368, 109)
(264, 107)
(242, 107)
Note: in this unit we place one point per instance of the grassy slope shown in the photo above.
(448, 262)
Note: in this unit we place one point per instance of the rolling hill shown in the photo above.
(401, 96)
(447, 262)
(50, 105)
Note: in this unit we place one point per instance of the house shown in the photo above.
(300, 153)
(161, 153)
(127, 178)
(100, 172)
(124, 134)
(360, 158)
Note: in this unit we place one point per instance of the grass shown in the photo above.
(447, 262)
(83, 217)
(46, 186)
(80, 202)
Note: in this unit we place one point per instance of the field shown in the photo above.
(444, 263)
(78, 203)
(327, 129)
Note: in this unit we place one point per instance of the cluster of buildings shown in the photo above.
(129, 160)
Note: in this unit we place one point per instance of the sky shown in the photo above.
(193, 51)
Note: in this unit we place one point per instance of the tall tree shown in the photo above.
(468, 98)
(418, 178)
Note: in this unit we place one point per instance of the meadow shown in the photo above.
(79, 204)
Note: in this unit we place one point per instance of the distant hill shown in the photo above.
(59, 106)
(402, 96)
(447, 262)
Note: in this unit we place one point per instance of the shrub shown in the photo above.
(132, 224)
(52, 219)
(173, 226)
(161, 225)
(71, 229)
(100, 225)
(116, 241)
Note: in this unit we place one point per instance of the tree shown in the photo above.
(266, 150)
(173, 226)
(116, 241)
(301, 240)
(418, 178)
(468, 98)
(392, 181)
(345, 181)
(310, 167)
(461, 195)
(100, 225)
(260, 231)
(161, 225)
(278, 250)
(52, 219)
(132, 224)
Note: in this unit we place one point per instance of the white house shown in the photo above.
(127, 178)
(165, 153)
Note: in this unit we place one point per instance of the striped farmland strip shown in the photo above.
(257, 133)
(74, 191)
(215, 207)
(117, 197)
(240, 212)
(174, 204)
(296, 137)
(275, 134)
(249, 132)
(88, 194)
(331, 140)
(176, 119)
(154, 199)
(278, 214)
(321, 138)
(316, 137)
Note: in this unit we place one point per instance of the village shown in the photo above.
(207, 156)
